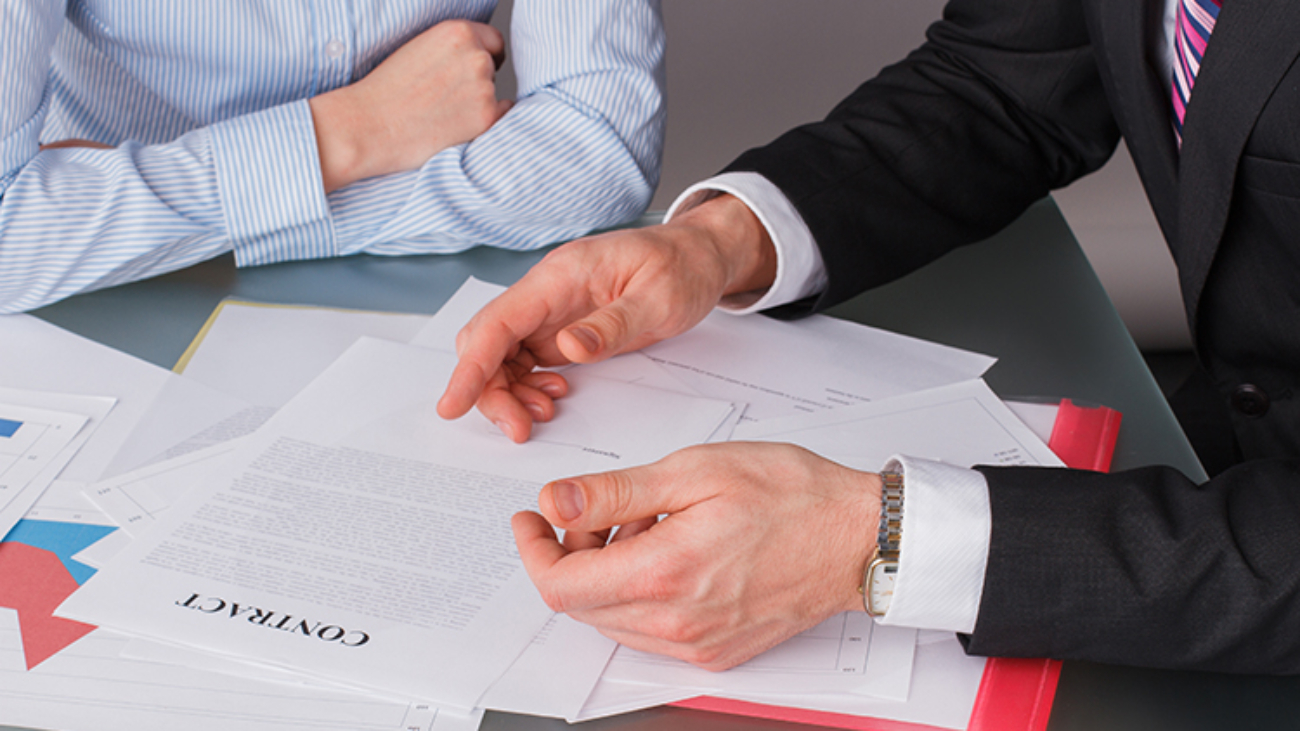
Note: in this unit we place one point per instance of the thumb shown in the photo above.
(598, 502)
(606, 332)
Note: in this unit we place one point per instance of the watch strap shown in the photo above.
(890, 532)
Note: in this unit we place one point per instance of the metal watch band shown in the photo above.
(890, 532)
(888, 536)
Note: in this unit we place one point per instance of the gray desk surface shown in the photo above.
(1027, 296)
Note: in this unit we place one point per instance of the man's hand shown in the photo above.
(598, 297)
(761, 541)
(436, 91)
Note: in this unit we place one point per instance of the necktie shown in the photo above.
(1192, 31)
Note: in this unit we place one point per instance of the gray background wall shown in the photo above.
(742, 71)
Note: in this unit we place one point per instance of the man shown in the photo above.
(141, 137)
(1006, 100)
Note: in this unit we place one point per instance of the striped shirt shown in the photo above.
(204, 102)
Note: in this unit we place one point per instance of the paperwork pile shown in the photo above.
(301, 532)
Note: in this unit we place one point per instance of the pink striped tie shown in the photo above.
(1196, 20)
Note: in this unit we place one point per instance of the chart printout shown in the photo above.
(31, 440)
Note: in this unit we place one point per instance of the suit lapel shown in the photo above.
(1254, 44)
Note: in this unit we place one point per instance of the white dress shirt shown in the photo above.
(946, 515)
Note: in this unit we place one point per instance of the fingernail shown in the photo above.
(586, 337)
(554, 390)
(569, 502)
(536, 411)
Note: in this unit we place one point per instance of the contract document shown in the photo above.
(363, 539)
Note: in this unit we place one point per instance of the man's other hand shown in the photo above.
(436, 91)
(761, 541)
(597, 297)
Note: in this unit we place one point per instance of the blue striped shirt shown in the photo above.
(214, 150)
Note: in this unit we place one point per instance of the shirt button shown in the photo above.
(335, 48)
(1250, 400)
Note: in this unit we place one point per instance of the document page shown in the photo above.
(366, 540)
(80, 680)
(150, 401)
(779, 368)
(847, 653)
(964, 424)
(266, 354)
(35, 444)
(138, 498)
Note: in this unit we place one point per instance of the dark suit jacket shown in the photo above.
(1007, 100)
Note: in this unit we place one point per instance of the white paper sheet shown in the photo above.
(90, 687)
(35, 444)
(944, 685)
(135, 500)
(847, 653)
(778, 368)
(266, 354)
(556, 674)
(376, 456)
(964, 424)
(38, 356)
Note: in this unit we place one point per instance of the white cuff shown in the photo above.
(944, 546)
(799, 268)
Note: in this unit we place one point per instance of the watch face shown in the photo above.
(880, 586)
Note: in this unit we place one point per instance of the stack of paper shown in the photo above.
(311, 535)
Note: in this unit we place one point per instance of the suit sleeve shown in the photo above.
(1001, 104)
(1145, 568)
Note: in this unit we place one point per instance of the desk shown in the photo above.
(1026, 295)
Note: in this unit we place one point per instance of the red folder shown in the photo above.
(1015, 693)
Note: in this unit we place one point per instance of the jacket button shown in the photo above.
(1250, 400)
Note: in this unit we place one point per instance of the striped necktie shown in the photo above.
(1195, 23)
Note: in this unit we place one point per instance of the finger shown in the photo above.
(583, 579)
(548, 382)
(539, 549)
(618, 327)
(492, 41)
(600, 501)
(579, 541)
(483, 346)
(500, 405)
(633, 529)
(540, 407)
(503, 106)
(521, 364)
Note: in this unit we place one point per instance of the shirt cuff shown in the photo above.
(799, 268)
(269, 179)
(944, 546)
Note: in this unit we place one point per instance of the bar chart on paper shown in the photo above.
(30, 440)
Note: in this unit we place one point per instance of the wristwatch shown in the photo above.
(878, 578)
